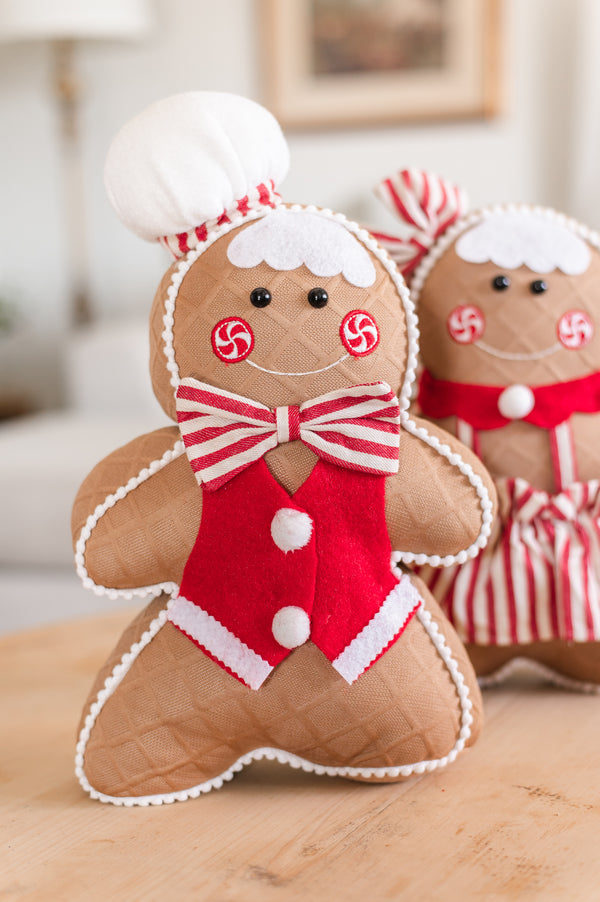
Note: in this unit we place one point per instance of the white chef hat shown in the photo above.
(192, 162)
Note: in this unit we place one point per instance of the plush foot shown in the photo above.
(171, 723)
(575, 665)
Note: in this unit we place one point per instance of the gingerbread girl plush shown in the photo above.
(267, 530)
(507, 301)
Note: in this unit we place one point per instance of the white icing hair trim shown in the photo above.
(272, 754)
(285, 240)
(473, 219)
(184, 160)
(92, 521)
(524, 238)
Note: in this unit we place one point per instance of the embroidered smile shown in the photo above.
(507, 355)
(304, 373)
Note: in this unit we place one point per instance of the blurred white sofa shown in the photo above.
(45, 457)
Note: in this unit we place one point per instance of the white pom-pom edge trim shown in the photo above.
(424, 268)
(485, 504)
(92, 521)
(273, 754)
(412, 338)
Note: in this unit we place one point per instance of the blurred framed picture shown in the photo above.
(358, 62)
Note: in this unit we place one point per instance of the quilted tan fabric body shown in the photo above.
(177, 719)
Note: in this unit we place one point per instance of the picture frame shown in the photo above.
(332, 63)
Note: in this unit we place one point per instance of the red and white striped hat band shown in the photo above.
(427, 206)
(261, 197)
(356, 427)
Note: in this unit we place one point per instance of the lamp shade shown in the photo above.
(22, 20)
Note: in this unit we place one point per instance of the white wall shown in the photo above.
(202, 44)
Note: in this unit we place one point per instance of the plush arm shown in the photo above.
(431, 507)
(145, 536)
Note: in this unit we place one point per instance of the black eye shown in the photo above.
(500, 283)
(539, 286)
(317, 297)
(260, 297)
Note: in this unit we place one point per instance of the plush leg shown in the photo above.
(177, 721)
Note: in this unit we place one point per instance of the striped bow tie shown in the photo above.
(356, 427)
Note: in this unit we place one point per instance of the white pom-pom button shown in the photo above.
(291, 626)
(291, 529)
(516, 402)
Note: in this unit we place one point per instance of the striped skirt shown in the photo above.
(538, 579)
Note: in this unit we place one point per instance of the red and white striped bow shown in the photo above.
(427, 205)
(356, 427)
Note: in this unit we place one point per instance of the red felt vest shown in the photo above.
(237, 578)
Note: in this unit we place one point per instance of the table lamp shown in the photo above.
(64, 23)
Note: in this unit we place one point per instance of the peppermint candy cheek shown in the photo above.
(359, 333)
(575, 330)
(466, 324)
(232, 339)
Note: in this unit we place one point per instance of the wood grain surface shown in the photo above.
(516, 817)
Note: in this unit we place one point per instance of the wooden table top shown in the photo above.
(516, 817)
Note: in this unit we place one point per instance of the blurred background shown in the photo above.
(76, 287)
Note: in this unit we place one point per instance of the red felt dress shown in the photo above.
(541, 579)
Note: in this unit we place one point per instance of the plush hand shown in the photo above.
(270, 528)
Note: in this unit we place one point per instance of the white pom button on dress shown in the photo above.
(516, 402)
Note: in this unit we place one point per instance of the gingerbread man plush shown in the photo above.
(507, 301)
(268, 529)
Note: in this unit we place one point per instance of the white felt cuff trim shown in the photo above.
(92, 521)
(391, 617)
(219, 641)
(406, 770)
